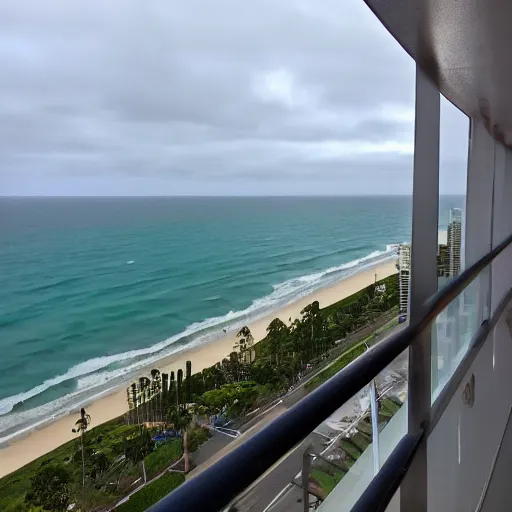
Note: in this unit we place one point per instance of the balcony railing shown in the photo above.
(216, 487)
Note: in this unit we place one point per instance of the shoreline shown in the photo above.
(36, 442)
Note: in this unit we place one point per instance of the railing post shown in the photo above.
(423, 282)
(375, 427)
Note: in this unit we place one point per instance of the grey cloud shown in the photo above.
(200, 92)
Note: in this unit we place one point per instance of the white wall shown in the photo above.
(463, 444)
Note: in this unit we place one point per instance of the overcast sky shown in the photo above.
(118, 97)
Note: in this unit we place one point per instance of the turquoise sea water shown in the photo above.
(91, 289)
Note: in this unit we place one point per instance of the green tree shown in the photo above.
(131, 410)
(235, 367)
(179, 388)
(49, 488)
(135, 400)
(155, 392)
(232, 398)
(144, 384)
(81, 425)
(165, 393)
(188, 382)
(312, 330)
(172, 390)
(278, 335)
(181, 418)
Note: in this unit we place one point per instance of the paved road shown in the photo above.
(275, 480)
(214, 445)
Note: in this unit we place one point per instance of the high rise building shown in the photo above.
(404, 272)
(448, 258)
(454, 241)
(443, 260)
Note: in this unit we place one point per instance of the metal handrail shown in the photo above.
(216, 486)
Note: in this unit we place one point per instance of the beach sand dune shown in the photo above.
(37, 443)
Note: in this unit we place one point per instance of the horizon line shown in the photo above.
(199, 196)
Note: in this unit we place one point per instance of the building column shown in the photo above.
(423, 284)
(501, 278)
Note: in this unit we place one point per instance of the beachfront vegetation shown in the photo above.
(50, 488)
(166, 411)
(113, 468)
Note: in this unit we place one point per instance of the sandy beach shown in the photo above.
(41, 441)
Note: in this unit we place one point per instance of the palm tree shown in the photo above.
(188, 382)
(179, 396)
(129, 401)
(278, 334)
(164, 394)
(155, 387)
(148, 401)
(181, 418)
(135, 402)
(171, 387)
(81, 425)
(143, 384)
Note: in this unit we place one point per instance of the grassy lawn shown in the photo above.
(388, 407)
(349, 356)
(163, 457)
(326, 481)
(361, 440)
(152, 493)
(350, 449)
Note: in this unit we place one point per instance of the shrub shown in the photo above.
(196, 437)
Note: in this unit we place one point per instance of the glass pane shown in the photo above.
(392, 386)
(341, 473)
(348, 463)
(453, 168)
(454, 327)
(452, 332)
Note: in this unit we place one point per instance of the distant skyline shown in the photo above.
(292, 98)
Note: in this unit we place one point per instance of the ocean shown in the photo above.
(93, 288)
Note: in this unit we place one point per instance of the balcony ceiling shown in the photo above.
(465, 46)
